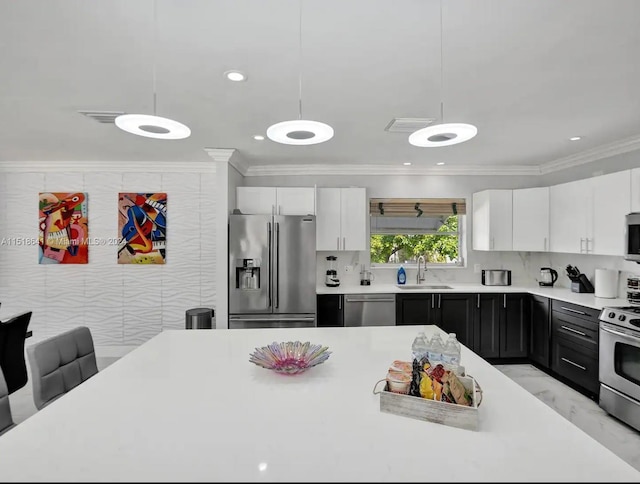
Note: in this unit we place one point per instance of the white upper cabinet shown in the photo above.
(611, 203)
(531, 219)
(341, 219)
(588, 216)
(276, 200)
(570, 205)
(492, 220)
(635, 190)
(256, 200)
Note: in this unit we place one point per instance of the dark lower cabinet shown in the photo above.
(487, 325)
(330, 310)
(454, 314)
(415, 308)
(576, 363)
(501, 327)
(514, 326)
(540, 332)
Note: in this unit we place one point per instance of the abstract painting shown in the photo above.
(142, 228)
(64, 231)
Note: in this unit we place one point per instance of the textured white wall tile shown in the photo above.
(122, 304)
(141, 324)
(64, 182)
(142, 182)
(187, 183)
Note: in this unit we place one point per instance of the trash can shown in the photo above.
(199, 318)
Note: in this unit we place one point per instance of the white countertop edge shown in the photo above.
(558, 293)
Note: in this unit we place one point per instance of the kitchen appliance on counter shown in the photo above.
(579, 281)
(548, 277)
(369, 310)
(366, 277)
(619, 363)
(633, 289)
(331, 277)
(496, 277)
(272, 271)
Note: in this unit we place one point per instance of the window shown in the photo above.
(402, 229)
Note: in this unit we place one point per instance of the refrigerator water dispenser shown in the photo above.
(248, 274)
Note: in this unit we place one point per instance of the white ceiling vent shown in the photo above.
(408, 125)
(104, 117)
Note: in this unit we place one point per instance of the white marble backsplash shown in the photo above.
(524, 266)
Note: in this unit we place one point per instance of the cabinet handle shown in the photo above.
(573, 311)
(432, 300)
(587, 243)
(338, 242)
(574, 364)
(545, 244)
(279, 209)
(439, 299)
(478, 300)
(574, 330)
(504, 300)
(344, 243)
(581, 242)
(493, 243)
(340, 302)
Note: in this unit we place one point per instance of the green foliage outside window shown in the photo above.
(407, 248)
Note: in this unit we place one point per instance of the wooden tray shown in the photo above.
(444, 413)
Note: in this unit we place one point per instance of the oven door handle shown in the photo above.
(624, 335)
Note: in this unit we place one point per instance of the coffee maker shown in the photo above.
(331, 279)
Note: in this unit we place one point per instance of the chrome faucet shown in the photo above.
(420, 276)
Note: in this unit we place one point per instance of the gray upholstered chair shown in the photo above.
(60, 364)
(6, 420)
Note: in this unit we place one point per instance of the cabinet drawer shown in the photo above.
(580, 331)
(576, 364)
(588, 314)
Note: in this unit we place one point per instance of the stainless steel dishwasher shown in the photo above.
(370, 310)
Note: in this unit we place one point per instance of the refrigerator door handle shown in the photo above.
(277, 265)
(269, 250)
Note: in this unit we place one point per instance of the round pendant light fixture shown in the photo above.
(300, 131)
(152, 126)
(443, 134)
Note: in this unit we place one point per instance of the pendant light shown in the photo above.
(443, 134)
(300, 131)
(153, 126)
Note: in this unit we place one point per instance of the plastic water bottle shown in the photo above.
(436, 348)
(419, 347)
(451, 353)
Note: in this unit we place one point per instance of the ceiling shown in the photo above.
(529, 74)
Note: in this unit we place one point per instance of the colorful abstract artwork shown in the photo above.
(64, 231)
(142, 228)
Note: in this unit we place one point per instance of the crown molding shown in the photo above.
(594, 154)
(220, 154)
(385, 170)
(108, 166)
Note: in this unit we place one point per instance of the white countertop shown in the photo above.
(559, 293)
(188, 406)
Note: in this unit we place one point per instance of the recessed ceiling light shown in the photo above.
(575, 138)
(152, 126)
(258, 137)
(443, 135)
(300, 132)
(407, 164)
(440, 163)
(236, 76)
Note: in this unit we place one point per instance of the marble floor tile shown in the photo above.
(583, 412)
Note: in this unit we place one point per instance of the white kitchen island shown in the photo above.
(188, 406)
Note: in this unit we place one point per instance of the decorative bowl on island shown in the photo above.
(291, 357)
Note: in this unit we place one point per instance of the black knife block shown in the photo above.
(581, 284)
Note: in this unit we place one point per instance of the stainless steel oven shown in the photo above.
(619, 371)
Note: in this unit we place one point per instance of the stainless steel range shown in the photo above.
(619, 371)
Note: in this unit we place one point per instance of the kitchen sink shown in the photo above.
(423, 286)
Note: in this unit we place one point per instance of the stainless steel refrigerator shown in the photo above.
(272, 271)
